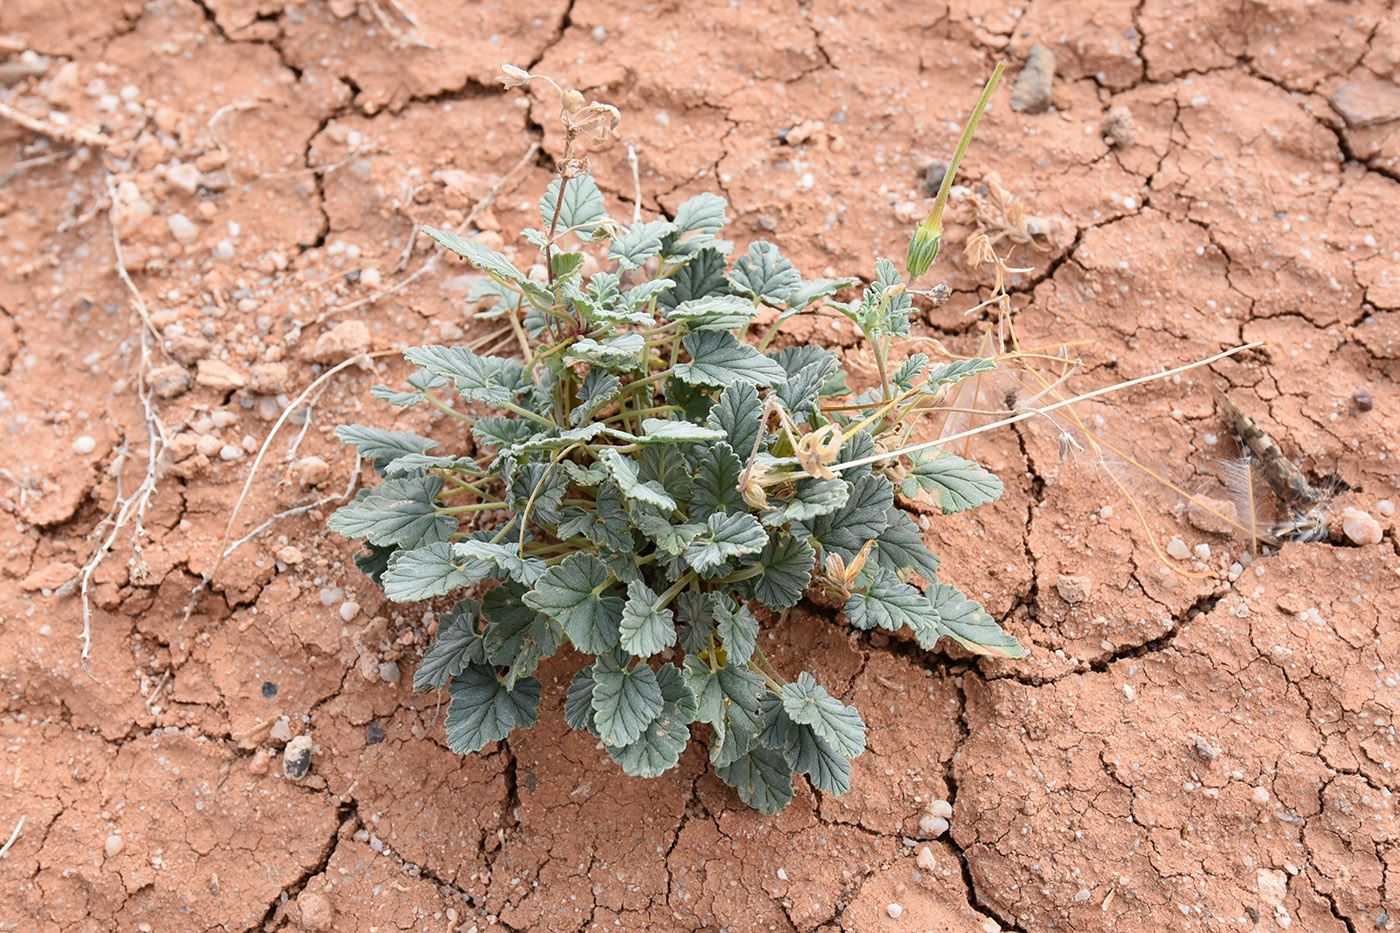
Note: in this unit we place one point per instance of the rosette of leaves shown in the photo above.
(648, 485)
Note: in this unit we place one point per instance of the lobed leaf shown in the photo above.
(717, 358)
(725, 536)
(625, 699)
(482, 710)
(787, 569)
(425, 572)
(572, 593)
(762, 777)
(737, 415)
(645, 629)
(400, 512)
(457, 646)
(808, 704)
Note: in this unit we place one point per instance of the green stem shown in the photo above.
(525, 413)
(447, 409)
(673, 590)
(748, 573)
(472, 507)
(763, 659)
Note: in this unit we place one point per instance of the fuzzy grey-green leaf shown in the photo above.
(482, 710)
(762, 777)
(737, 415)
(718, 359)
(400, 512)
(725, 536)
(625, 699)
(573, 592)
(428, 571)
(645, 630)
(807, 703)
(458, 644)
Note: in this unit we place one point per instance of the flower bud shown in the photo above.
(923, 250)
(573, 101)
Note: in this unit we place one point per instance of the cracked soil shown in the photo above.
(1174, 753)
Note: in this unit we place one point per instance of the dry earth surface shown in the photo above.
(1175, 753)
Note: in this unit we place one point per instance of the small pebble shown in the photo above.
(84, 445)
(1260, 796)
(168, 381)
(895, 911)
(1202, 551)
(281, 731)
(114, 846)
(230, 452)
(182, 228)
(183, 176)
(296, 758)
(1360, 528)
(331, 595)
(371, 278)
(1385, 507)
(941, 809)
(374, 734)
(926, 861)
(208, 445)
(216, 374)
(1177, 549)
(389, 672)
(1363, 400)
(290, 555)
(931, 827)
(311, 471)
(315, 911)
(349, 609)
(782, 875)
(224, 250)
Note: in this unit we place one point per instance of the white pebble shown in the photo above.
(782, 875)
(895, 911)
(349, 609)
(1260, 796)
(114, 846)
(1202, 551)
(183, 176)
(599, 34)
(932, 826)
(84, 445)
(1177, 549)
(926, 860)
(1360, 528)
(331, 595)
(230, 452)
(1106, 512)
(224, 250)
(941, 809)
(370, 278)
(806, 182)
(1385, 507)
(182, 228)
(389, 672)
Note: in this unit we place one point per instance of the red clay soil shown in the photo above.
(1173, 754)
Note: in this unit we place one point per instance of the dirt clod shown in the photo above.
(1033, 90)
(1367, 103)
(315, 911)
(169, 381)
(311, 471)
(341, 342)
(220, 376)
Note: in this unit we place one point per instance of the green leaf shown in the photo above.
(787, 569)
(516, 636)
(673, 539)
(715, 312)
(419, 463)
(764, 275)
(808, 704)
(701, 277)
(883, 312)
(955, 483)
(619, 354)
(482, 710)
(762, 777)
(808, 370)
(458, 645)
(901, 548)
(956, 371)
(485, 379)
(727, 699)
(890, 604)
(725, 536)
(645, 629)
(583, 204)
(813, 498)
(637, 245)
(572, 593)
(716, 482)
(377, 444)
(503, 432)
(718, 359)
(425, 572)
(704, 212)
(862, 518)
(808, 292)
(401, 512)
(737, 627)
(625, 474)
(969, 624)
(420, 382)
(737, 415)
(507, 557)
(805, 751)
(541, 490)
(903, 377)
(678, 432)
(487, 260)
(578, 704)
(565, 264)
(625, 699)
(660, 745)
(375, 562)
(599, 388)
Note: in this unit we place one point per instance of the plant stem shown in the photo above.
(473, 507)
(554, 225)
(447, 409)
(665, 598)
